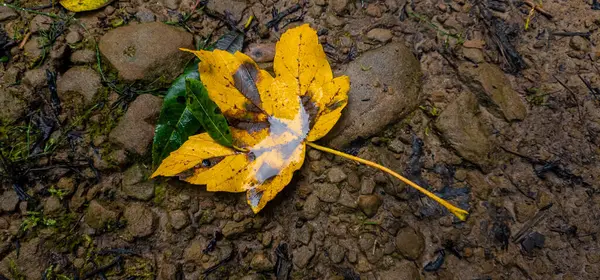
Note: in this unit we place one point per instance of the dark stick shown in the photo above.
(572, 34)
(101, 269)
(572, 96)
(531, 223)
(279, 16)
(216, 266)
(593, 91)
(222, 18)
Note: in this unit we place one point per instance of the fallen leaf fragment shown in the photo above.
(84, 5)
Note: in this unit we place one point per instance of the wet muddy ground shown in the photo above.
(458, 95)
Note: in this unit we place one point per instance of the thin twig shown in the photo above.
(25, 39)
(531, 223)
(539, 9)
(572, 96)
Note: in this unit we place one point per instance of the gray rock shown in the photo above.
(363, 265)
(141, 221)
(97, 216)
(118, 157)
(353, 182)
(256, 276)
(336, 253)
(315, 11)
(409, 243)
(234, 7)
(346, 199)
(493, 90)
(390, 223)
(79, 85)
(52, 206)
(178, 219)
(12, 106)
(132, 50)
(33, 50)
(367, 185)
(73, 37)
(404, 271)
(303, 255)
(312, 207)
(84, 56)
(304, 234)
(264, 52)
(7, 13)
(109, 10)
(35, 78)
(40, 23)
(369, 204)
(31, 260)
(233, 229)
(382, 95)
(366, 242)
(327, 192)
(144, 15)
(193, 252)
(141, 191)
(260, 263)
(134, 175)
(336, 175)
(12, 75)
(579, 43)
(380, 34)
(460, 128)
(333, 21)
(473, 54)
(314, 155)
(134, 185)
(339, 6)
(373, 10)
(524, 211)
(4, 224)
(396, 146)
(78, 199)
(58, 53)
(134, 131)
(8, 200)
(66, 185)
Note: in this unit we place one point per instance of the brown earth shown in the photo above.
(455, 94)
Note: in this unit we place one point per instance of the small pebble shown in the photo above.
(264, 52)
(380, 34)
(336, 175)
(373, 10)
(73, 37)
(109, 10)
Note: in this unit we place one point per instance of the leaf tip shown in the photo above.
(155, 174)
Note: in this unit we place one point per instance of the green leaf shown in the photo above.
(207, 112)
(176, 123)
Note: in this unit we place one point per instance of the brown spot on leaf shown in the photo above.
(245, 79)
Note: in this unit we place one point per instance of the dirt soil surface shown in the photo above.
(491, 104)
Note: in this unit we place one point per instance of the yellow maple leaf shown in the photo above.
(272, 119)
(302, 103)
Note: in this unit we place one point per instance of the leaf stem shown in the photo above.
(459, 213)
